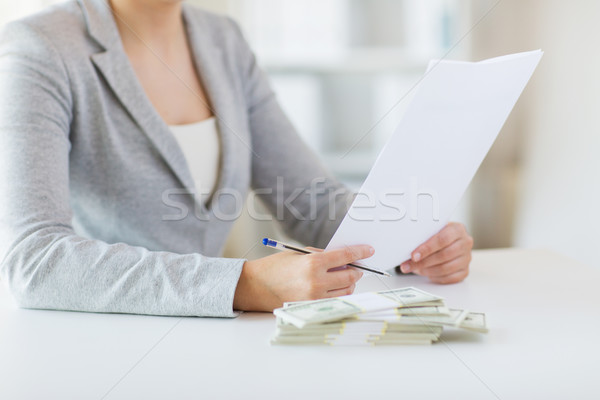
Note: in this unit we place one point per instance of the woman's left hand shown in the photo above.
(445, 257)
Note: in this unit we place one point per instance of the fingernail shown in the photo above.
(405, 267)
(371, 250)
(416, 257)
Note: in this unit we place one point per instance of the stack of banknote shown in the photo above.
(392, 317)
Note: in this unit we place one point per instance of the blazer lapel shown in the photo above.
(211, 70)
(226, 103)
(116, 68)
(114, 65)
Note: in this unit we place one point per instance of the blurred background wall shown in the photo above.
(344, 71)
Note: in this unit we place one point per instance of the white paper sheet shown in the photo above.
(427, 164)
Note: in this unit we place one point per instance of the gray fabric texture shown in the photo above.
(93, 186)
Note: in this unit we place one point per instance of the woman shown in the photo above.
(100, 106)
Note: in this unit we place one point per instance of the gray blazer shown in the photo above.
(94, 188)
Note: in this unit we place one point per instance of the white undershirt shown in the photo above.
(200, 145)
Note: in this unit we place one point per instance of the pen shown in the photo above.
(283, 246)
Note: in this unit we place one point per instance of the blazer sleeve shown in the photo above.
(44, 263)
(287, 176)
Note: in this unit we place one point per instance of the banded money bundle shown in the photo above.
(393, 317)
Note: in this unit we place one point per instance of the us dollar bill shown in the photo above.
(475, 321)
(316, 312)
(411, 296)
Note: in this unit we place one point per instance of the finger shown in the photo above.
(341, 279)
(343, 256)
(449, 234)
(456, 249)
(349, 288)
(455, 277)
(341, 292)
(315, 249)
(447, 268)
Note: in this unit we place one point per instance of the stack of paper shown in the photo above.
(399, 316)
(428, 162)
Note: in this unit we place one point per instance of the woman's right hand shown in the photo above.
(266, 283)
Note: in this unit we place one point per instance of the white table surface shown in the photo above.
(543, 313)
